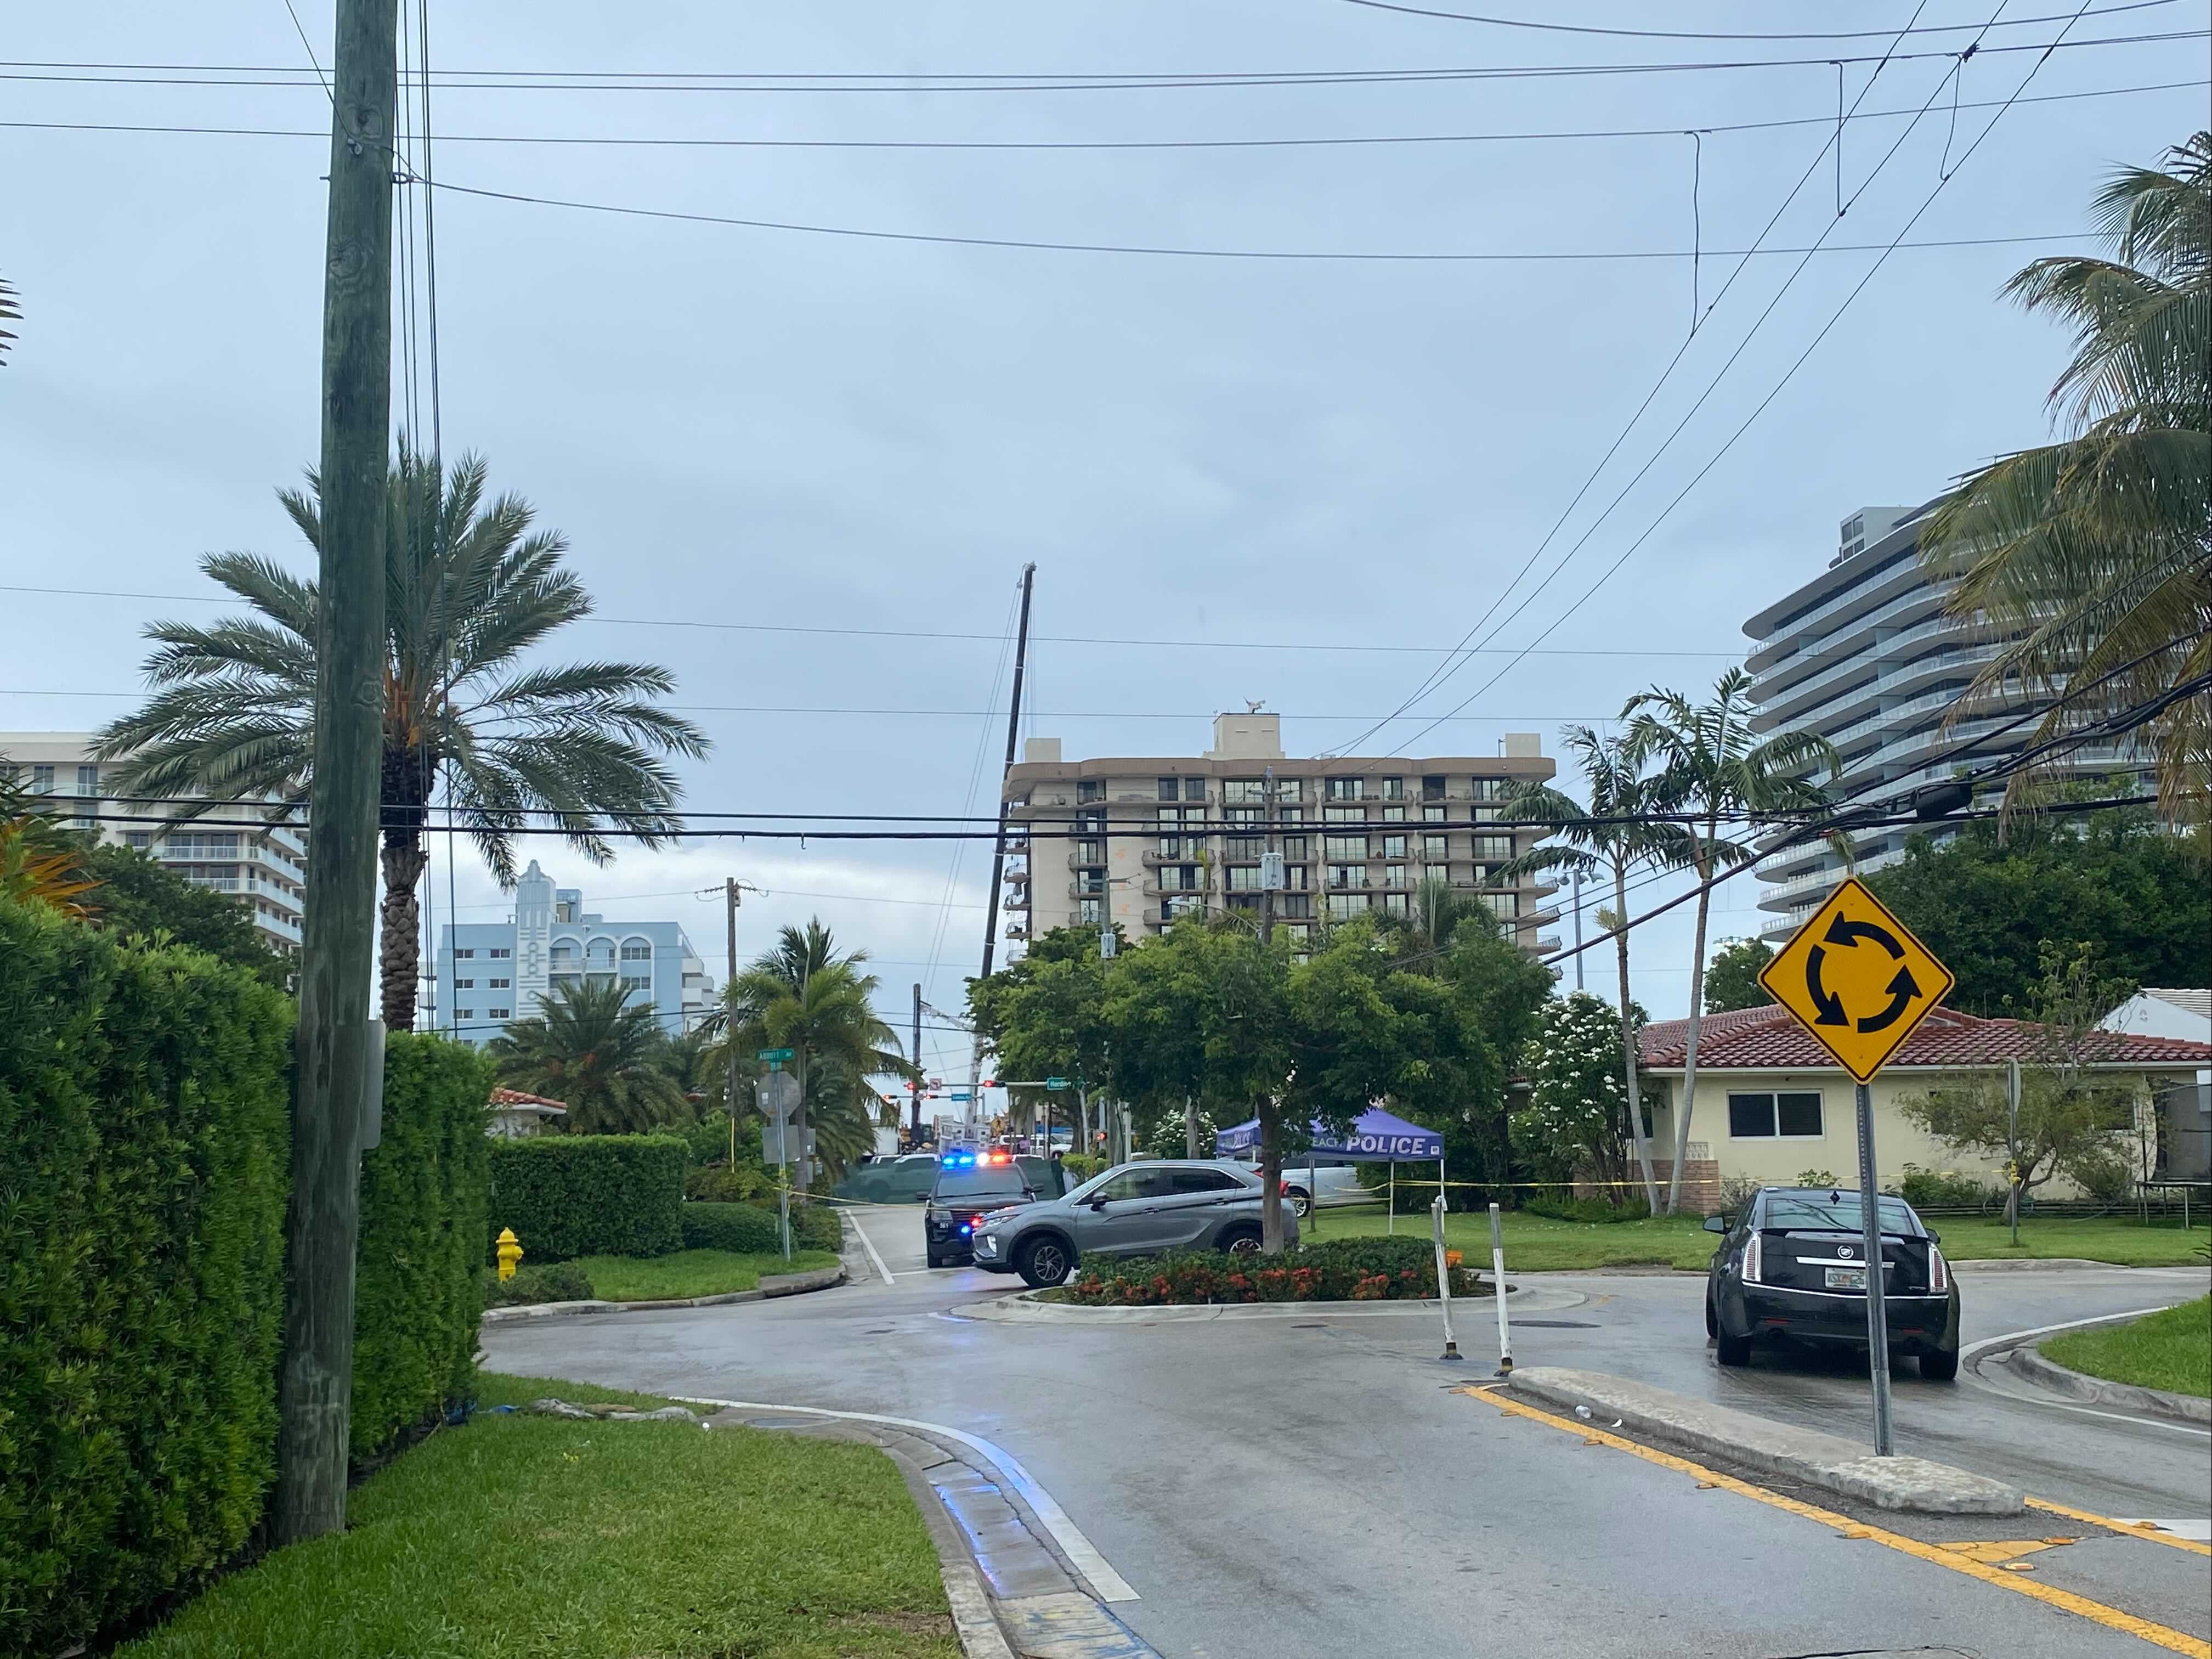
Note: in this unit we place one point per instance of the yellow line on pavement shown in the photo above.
(2126, 1528)
(2066, 1601)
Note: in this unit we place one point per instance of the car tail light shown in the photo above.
(1939, 1270)
(1750, 1261)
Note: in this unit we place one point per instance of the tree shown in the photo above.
(41, 863)
(138, 895)
(11, 311)
(598, 1053)
(1624, 829)
(1045, 1016)
(2096, 550)
(1576, 1117)
(2073, 1117)
(471, 590)
(1711, 763)
(1987, 905)
(1732, 976)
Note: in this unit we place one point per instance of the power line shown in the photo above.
(1294, 143)
(1690, 34)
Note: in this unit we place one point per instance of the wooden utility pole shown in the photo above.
(915, 1084)
(998, 846)
(315, 1385)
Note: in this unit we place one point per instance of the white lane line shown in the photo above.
(2198, 1531)
(1106, 1585)
(869, 1245)
(1972, 1353)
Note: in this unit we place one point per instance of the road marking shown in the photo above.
(2198, 1532)
(2150, 1529)
(869, 1245)
(1972, 1355)
(1106, 1585)
(2066, 1601)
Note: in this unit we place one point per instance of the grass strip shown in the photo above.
(690, 1273)
(2171, 1350)
(527, 1537)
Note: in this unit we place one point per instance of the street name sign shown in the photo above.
(1056, 1083)
(1856, 979)
(773, 1056)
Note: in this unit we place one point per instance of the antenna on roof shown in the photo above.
(1252, 708)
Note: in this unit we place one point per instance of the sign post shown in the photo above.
(779, 1099)
(1855, 977)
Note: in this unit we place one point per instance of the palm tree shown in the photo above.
(802, 995)
(41, 863)
(1713, 767)
(11, 311)
(469, 590)
(1621, 830)
(599, 1054)
(2096, 551)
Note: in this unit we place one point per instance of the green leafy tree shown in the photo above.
(470, 590)
(1045, 1016)
(1621, 832)
(598, 1053)
(1987, 905)
(1732, 976)
(1574, 1121)
(2075, 1113)
(1711, 763)
(138, 895)
(2096, 550)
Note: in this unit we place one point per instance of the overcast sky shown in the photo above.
(746, 426)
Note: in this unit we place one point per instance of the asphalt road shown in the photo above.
(1316, 1485)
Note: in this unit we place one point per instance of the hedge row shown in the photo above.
(1334, 1270)
(571, 1195)
(746, 1229)
(143, 1152)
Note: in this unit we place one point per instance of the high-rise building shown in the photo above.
(265, 869)
(1864, 656)
(1141, 840)
(491, 973)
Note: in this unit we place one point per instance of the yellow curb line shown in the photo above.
(2066, 1601)
(2125, 1528)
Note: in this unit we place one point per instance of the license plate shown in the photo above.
(1847, 1279)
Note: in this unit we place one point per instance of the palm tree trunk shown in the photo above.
(1697, 1019)
(1628, 1042)
(399, 950)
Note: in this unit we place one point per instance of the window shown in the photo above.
(1289, 815)
(139, 838)
(1298, 875)
(1394, 904)
(1294, 849)
(465, 1013)
(1342, 907)
(1089, 789)
(1243, 815)
(1090, 823)
(1344, 846)
(1494, 847)
(1244, 846)
(203, 844)
(1181, 1181)
(1492, 875)
(1347, 788)
(1393, 846)
(1243, 877)
(1435, 848)
(1434, 814)
(500, 1013)
(1175, 878)
(1490, 788)
(501, 984)
(1343, 815)
(499, 952)
(1244, 792)
(1092, 881)
(1091, 852)
(1296, 904)
(636, 950)
(88, 780)
(1193, 788)
(464, 955)
(464, 985)
(1347, 875)
(1505, 905)
(1783, 1117)
(1394, 815)
(637, 982)
(1397, 875)
(1170, 788)
(1432, 788)
(1394, 789)
(1087, 912)
(42, 779)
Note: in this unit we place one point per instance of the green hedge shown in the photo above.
(746, 1229)
(144, 1151)
(424, 1193)
(814, 1226)
(1334, 1270)
(557, 1281)
(569, 1195)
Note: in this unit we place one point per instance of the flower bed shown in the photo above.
(1334, 1270)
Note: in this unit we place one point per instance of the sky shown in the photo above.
(804, 470)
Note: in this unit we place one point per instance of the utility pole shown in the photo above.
(729, 1017)
(915, 1086)
(998, 845)
(1578, 929)
(332, 1051)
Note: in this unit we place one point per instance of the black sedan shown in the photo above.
(969, 1185)
(1792, 1267)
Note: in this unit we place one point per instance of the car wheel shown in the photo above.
(1940, 1364)
(935, 1259)
(1242, 1240)
(1301, 1202)
(1712, 1319)
(1043, 1262)
(1731, 1350)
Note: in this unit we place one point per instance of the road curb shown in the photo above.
(1643, 1412)
(2029, 1363)
(1019, 1310)
(2002, 1264)
(973, 1621)
(771, 1287)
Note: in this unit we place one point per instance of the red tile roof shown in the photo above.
(1770, 1039)
(516, 1097)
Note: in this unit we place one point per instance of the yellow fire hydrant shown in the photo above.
(510, 1252)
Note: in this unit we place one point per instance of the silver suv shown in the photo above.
(1133, 1209)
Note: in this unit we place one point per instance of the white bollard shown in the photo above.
(1497, 1293)
(1443, 1274)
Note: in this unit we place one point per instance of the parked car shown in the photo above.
(1319, 1179)
(1792, 1266)
(905, 1179)
(968, 1185)
(1132, 1209)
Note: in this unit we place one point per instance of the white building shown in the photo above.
(1863, 656)
(263, 869)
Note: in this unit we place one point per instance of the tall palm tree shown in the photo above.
(802, 995)
(469, 590)
(1714, 767)
(599, 1054)
(1619, 833)
(11, 311)
(2097, 550)
(40, 862)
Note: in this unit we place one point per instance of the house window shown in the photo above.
(500, 1013)
(1397, 875)
(1347, 788)
(1087, 912)
(140, 838)
(499, 952)
(1296, 904)
(1243, 815)
(1494, 847)
(1347, 875)
(500, 984)
(1343, 815)
(464, 985)
(1244, 792)
(1289, 815)
(42, 779)
(1244, 847)
(88, 780)
(463, 956)
(1394, 904)
(637, 982)
(465, 1013)
(1170, 788)
(1092, 881)
(1294, 849)
(1784, 1115)
(1244, 879)
(1193, 788)
(1090, 823)
(1505, 905)
(1490, 788)
(1089, 789)
(1432, 788)
(1298, 875)
(1344, 846)
(1171, 878)
(1394, 789)
(1094, 852)
(636, 950)
(1434, 814)
(1394, 815)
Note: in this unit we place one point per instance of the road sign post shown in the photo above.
(1855, 977)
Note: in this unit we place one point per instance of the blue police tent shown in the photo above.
(1376, 1137)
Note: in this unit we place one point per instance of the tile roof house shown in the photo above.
(1772, 1105)
(515, 1114)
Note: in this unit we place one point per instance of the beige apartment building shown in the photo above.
(1142, 841)
(263, 869)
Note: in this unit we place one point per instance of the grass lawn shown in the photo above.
(690, 1273)
(525, 1537)
(1536, 1243)
(2170, 1350)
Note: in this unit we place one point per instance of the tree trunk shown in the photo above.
(1697, 1019)
(399, 948)
(1189, 1127)
(1628, 1042)
(1271, 1177)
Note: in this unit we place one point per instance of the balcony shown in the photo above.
(1919, 591)
(1153, 890)
(1018, 900)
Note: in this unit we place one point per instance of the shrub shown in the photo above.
(746, 1229)
(1334, 1270)
(1736, 1193)
(723, 1185)
(815, 1226)
(1590, 1209)
(1931, 1189)
(143, 1136)
(424, 1197)
(580, 1194)
(1820, 1178)
(1079, 1167)
(556, 1281)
